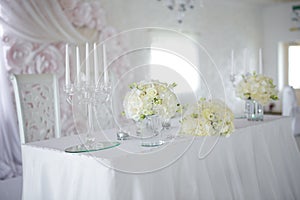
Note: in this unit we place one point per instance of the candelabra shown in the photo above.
(236, 77)
(88, 93)
(89, 96)
(232, 78)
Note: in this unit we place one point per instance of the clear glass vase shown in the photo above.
(151, 131)
(254, 111)
(166, 123)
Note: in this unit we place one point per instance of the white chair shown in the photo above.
(291, 108)
(37, 103)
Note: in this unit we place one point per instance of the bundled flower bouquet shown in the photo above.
(208, 118)
(257, 87)
(150, 98)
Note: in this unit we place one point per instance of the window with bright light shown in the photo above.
(294, 66)
(174, 67)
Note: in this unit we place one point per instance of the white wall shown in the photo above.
(219, 26)
(277, 24)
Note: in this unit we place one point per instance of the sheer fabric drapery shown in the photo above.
(38, 21)
(10, 149)
(33, 21)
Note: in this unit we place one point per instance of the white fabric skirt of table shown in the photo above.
(260, 160)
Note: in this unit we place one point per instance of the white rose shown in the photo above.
(18, 54)
(81, 15)
(151, 92)
(68, 4)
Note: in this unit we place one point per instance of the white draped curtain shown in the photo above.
(34, 33)
(10, 151)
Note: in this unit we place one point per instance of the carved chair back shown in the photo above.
(37, 104)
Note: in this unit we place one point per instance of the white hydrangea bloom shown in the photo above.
(149, 98)
(207, 118)
(257, 87)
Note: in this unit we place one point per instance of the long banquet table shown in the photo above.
(260, 160)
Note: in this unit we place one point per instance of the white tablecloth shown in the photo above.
(259, 161)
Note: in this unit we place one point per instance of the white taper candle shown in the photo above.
(232, 62)
(245, 60)
(78, 66)
(105, 73)
(96, 67)
(260, 64)
(67, 72)
(87, 64)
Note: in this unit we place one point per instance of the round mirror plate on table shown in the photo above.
(96, 146)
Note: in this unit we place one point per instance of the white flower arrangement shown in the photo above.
(257, 87)
(150, 98)
(208, 118)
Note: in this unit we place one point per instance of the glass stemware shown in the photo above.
(151, 134)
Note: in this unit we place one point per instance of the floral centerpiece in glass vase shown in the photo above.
(257, 90)
(208, 118)
(149, 104)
